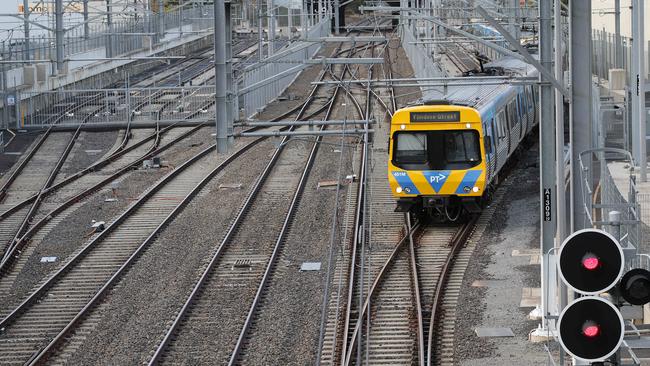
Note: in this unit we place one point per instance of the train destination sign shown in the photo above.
(451, 116)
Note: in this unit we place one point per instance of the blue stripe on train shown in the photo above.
(470, 178)
(405, 182)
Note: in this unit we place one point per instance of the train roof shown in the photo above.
(477, 96)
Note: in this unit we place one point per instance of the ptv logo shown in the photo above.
(437, 178)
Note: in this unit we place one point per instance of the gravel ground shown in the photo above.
(170, 266)
(21, 144)
(73, 232)
(132, 302)
(287, 328)
(497, 304)
(89, 148)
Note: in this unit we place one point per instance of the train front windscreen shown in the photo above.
(437, 150)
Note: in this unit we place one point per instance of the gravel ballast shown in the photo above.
(139, 310)
(74, 230)
(515, 226)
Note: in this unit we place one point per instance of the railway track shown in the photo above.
(102, 261)
(244, 261)
(19, 212)
(59, 303)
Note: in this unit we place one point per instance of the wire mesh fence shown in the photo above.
(260, 83)
(121, 37)
(421, 61)
(111, 107)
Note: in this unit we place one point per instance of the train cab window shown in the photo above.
(410, 150)
(437, 150)
(454, 150)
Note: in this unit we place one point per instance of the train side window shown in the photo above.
(501, 124)
(512, 113)
(487, 142)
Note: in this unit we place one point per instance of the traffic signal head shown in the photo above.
(635, 286)
(590, 261)
(591, 328)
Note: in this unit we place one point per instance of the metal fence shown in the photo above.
(422, 62)
(259, 83)
(611, 199)
(112, 107)
(604, 54)
(124, 36)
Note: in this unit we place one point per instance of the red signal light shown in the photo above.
(590, 329)
(590, 262)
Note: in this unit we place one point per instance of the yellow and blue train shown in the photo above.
(445, 156)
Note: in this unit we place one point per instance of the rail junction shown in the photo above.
(329, 182)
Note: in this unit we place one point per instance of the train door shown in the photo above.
(502, 147)
(490, 148)
(531, 106)
(523, 119)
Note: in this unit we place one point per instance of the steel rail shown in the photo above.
(409, 232)
(457, 243)
(20, 241)
(42, 355)
(155, 359)
(48, 182)
(358, 235)
(293, 206)
(99, 164)
(16, 172)
(415, 283)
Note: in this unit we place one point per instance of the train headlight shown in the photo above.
(475, 189)
(468, 125)
(403, 127)
(398, 189)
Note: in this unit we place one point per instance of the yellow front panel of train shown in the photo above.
(449, 119)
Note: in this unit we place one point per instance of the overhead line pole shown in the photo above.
(58, 20)
(580, 125)
(220, 75)
(548, 180)
(639, 87)
(231, 96)
(618, 47)
(26, 28)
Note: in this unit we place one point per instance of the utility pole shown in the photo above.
(260, 31)
(86, 23)
(561, 228)
(546, 150)
(561, 232)
(580, 125)
(220, 75)
(336, 17)
(161, 19)
(639, 86)
(618, 47)
(58, 11)
(271, 25)
(109, 23)
(26, 28)
(232, 96)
